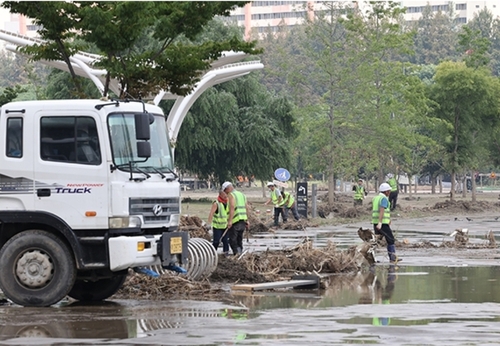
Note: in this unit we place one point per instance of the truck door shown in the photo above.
(71, 169)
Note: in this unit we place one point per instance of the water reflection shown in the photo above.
(375, 304)
(106, 320)
(374, 292)
(402, 285)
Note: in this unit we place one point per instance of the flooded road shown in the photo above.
(434, 297)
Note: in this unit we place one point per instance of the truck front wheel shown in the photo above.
(93, 291)
(36, 269)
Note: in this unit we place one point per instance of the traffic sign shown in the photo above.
(282, 174)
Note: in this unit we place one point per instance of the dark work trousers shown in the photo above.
(386, 231)
(218, 232)
(293, 208)
(277, 212)
(236, 236)
(393, 198)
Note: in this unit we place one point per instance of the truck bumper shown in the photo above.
(130, 252)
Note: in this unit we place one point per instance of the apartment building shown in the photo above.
(259, 17)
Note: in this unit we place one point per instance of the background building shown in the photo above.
(259, 17)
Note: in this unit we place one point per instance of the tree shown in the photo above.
(436, 37)
(246, 135)
(488, 28)
(468, 99)
(389, 101)
(172, 63)
(474, 46)
(9, 94)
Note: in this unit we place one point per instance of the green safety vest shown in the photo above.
(275, 197)
(220, 216)
(359, 193)
(240, 209)
(291, 199)
(393, 183)
(375, 211)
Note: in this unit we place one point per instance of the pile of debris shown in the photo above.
(302, 258)
(248, 268)
(167, 286)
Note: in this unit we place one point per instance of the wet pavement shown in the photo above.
(434, 297)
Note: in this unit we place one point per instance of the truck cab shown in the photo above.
(87, 191)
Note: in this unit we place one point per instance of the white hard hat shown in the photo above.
(384, 187)
(390, 175)
(270, 184)
(226, 185)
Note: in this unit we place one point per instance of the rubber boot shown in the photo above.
(391, 251)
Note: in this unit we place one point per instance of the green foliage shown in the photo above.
(475, 47)
(60, 87)
(469, 101)
(247, 135)
(485, 27)
(436, 36)
(171, 60)
(10, 93)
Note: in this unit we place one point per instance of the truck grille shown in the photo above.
(154, 210)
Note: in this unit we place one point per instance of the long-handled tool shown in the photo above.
(223, 234)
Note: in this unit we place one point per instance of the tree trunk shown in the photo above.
(473, 184)
(464, 186)
(331, 189)
(453, 186)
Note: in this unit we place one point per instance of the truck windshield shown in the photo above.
(124, 144)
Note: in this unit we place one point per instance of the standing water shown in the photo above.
(387, 305)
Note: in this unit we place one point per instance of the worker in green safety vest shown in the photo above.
(289, 204)
(381, 219)
(237, 221)
(276, 198)
(393, 196)
(217, 219)
(359, 193)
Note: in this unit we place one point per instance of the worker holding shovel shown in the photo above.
(277, 200)
(217, 218)
(237, 220)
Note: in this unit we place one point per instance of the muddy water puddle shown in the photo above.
(434, 297)
(416, 305)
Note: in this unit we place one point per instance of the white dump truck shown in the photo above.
(87, 191)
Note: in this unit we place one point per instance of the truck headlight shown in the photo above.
(125, 222)
(174, 220)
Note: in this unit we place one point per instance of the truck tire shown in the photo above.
(36, 268)
(39, 331)
(93, 291)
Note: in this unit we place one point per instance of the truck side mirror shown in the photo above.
(142, 121)
(143, 149)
